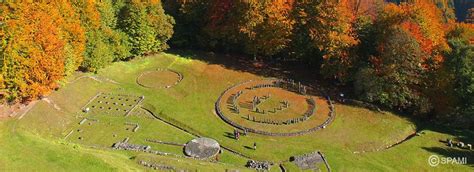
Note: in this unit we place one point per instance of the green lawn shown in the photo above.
(30, 152)
(37, 138)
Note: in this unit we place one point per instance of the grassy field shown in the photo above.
(36, 141)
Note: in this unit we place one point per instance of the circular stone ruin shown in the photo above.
(274, 107)
(202, 148)
(159, 78)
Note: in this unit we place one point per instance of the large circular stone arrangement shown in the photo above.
(274, 107)
(159, 78)
(202, 148)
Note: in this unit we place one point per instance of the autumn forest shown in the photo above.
(412, 56)
(237, 85)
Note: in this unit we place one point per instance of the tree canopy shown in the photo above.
(396, 54)
(42, 42)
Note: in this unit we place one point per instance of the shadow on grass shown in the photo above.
(229, 135)
(460, 155)
(457, 135)
(309, 75)
(248, 147)
(297, 70)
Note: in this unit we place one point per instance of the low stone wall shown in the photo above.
(259, 165)
(156, 166)
(163, 142)
(124, 145)
(133, 147)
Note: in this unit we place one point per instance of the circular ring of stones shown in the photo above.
(178, 80)
(235, 124)
(202, 148)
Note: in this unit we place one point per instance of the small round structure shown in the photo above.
(202, 148)
(160, 78)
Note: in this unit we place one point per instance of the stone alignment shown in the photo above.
(156, 166)
(290, 85)
(108, 103)
(305, 116)
(136, 126)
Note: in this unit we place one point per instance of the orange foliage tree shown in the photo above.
(267, 26)
(74, 34)
(42, 42)
(423, 20)
(33, 58)
(328, 25)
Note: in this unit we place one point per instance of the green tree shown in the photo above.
(113, 36)
(396, 78)
(461, 66)
(147, 26)
(98, 53)
(91, 20)
(105, 42)
(191, 17)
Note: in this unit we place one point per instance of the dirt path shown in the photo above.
(410, 136)
(21, 110)
(49, 101)
(95, 78)
(24, 111)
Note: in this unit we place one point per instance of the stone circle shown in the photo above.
(159, 78)
(274, 107)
